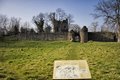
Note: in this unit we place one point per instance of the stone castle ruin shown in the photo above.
(62, 31)
(58, 25)
(83, 36)
(61, 26)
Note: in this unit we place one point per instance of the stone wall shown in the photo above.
(92, 36)
(102, 36)
(41, 36)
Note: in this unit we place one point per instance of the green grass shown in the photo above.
(33, 60)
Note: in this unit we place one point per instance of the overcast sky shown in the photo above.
(26, 9)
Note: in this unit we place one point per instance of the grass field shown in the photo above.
(33, 60)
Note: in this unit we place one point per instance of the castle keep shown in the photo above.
(59, 25)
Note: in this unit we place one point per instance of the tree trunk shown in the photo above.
(118, 37)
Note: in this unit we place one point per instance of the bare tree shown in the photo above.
(60, 14)
(26, 25)
(39, 21)
(110, 11)
(46, 18)
(70, 19)
(106, 28)
(74, 27)
(25, 28)
(51, 16)
(94, 26)
(47, 28)
(32, 31)
(3, 21)
(3, 24)
(14, 25)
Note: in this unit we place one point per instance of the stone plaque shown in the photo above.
(71, 69)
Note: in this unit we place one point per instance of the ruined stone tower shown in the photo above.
(59, 26)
